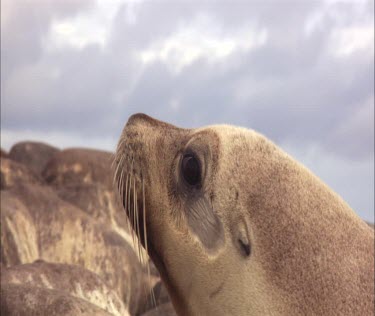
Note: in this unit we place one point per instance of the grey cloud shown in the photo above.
(292, 89)
(354, 136)
(26, 23)
(304, 104)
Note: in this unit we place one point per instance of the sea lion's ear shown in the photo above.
(242, 238)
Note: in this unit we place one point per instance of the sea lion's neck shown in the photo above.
(311, 244)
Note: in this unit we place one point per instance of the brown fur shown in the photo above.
(310, 253)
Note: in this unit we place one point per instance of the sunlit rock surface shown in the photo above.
(3, 153)
(19, 242)
(13, 173)
(34, 155)
(60, 206)
(72, 166)
(23, 300)
(69, 280)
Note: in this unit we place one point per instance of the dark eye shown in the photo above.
(191, 170)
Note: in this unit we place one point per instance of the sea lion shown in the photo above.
(236, 226)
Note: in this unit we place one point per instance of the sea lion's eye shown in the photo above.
(190, 169)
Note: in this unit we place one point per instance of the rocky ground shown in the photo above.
(65, 246)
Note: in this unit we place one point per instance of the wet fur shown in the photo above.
(310, 253)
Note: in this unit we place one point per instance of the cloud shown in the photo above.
(300, 72)
(24, 25)
(354, 136)
(348, 40)
(202, 39)
(92, 26)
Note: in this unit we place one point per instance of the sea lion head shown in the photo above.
(216, 209)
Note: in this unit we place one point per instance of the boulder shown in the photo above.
(72, 280)
(12, 173)
(69, 214)
(34, 155)
(3, 153)
(83, 178)
(99, 202)
(68, 235)
(72, 166)
(26, 300)
(19, 242)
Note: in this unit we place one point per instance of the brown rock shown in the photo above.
(81, 224)
(34, 155)
(72, 280)
(12, 173)
(98, 202)
(67, 235)
(26, 300)
(83, 178)
(3, 153)
(72, 166)
(19, 241)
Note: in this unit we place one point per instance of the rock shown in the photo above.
(370, 224)
(84, 178)
(99, 203)
(69, 279)
(161, 310)
(19, 241)
(12, 173)
(25, 300)
(69, 214)
(72, 166)
(34, 155)
(3, 153)
(67, 235)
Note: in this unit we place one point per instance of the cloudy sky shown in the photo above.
(300, 72)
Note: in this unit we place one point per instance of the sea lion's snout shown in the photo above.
(131, 173)
(138, 118)
(142, 148)
(148, 121)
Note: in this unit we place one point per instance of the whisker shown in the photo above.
(126, 203)
(136, 221)
(146, 244)
(118, 179)
(115, 159)
(118, 166)
(126, 183)
(139, 237)
(121, 183)
(144, 216)
(130, 208)
(131, 212)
